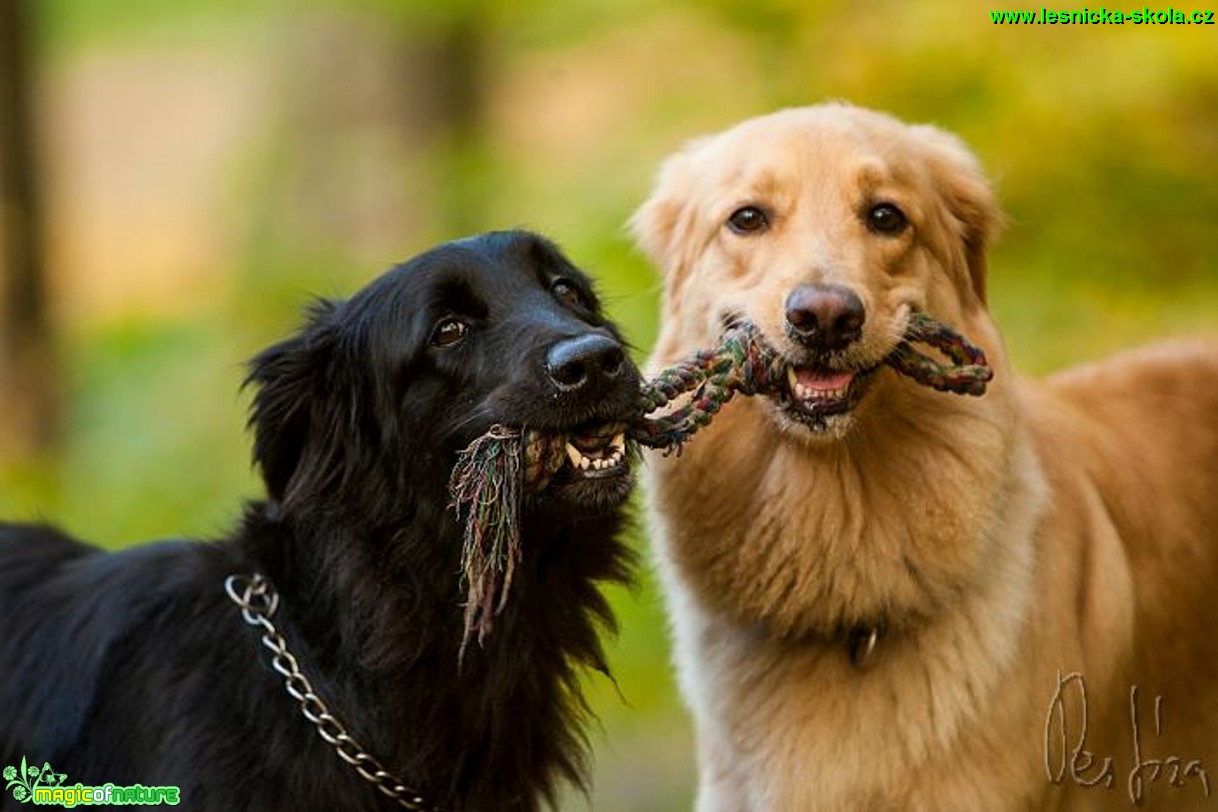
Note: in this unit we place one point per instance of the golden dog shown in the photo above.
(890, 598)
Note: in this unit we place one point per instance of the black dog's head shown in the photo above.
(375, 395)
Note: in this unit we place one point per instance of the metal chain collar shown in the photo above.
(258, 600)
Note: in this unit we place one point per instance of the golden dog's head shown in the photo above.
(826, 226)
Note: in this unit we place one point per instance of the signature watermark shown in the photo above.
(1068, 759)
(42, 786)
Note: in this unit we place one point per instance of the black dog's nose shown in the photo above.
(591, 358)
(825, 317)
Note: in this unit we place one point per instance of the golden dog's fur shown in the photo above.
(1046, 529)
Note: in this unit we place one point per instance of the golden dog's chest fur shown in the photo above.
(1015, 548)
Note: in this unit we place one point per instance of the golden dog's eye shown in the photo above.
(748, 220)
(567, 293)
(886, 219)
(448, 332)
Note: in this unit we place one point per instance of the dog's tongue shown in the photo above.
(822, 381)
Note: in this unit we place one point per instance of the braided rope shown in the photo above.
(744, 362)
(968, 373)
(494, 472)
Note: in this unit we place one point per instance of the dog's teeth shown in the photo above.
(807, 393)
(791, 379)
(610, 456)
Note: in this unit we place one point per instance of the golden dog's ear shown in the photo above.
(968, 197)
(662, 225)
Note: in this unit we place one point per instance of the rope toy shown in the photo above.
(498, 469)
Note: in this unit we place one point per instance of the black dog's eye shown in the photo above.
(748, 220)
(886, 219)
(567, 293)
(448, 332)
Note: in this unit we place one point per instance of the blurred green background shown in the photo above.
(207, 165)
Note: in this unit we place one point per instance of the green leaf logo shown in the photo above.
(24, 780)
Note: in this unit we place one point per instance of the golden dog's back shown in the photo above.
(1137, 436)
(1147, 422)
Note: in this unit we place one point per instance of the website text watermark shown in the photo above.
(1102, 16)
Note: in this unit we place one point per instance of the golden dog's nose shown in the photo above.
(825, 317)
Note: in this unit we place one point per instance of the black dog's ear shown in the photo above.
(301, 412)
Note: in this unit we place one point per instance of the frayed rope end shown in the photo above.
(486, 488)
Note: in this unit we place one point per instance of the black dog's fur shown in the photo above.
(134, 667)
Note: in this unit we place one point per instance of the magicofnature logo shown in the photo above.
(42, 786)
(24, 781)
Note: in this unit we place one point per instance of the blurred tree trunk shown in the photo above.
(28, 380)
(445, 69)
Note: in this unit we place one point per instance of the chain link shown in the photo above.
(258, 600)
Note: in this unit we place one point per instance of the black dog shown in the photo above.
(136, 667)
